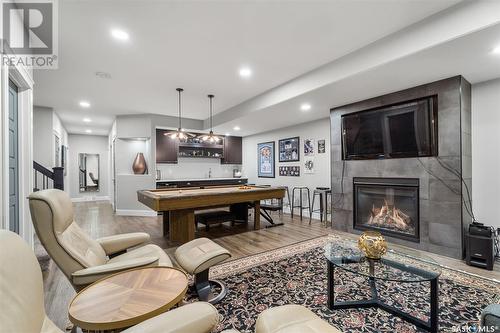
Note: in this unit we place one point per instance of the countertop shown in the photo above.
(197, 179)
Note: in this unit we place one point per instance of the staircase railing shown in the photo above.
(47, 178)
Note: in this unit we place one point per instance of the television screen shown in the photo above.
(402, 130)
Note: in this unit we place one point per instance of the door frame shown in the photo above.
(23, 79)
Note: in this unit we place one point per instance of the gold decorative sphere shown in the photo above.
(372, 244)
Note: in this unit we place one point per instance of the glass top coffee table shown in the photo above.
(394, 267)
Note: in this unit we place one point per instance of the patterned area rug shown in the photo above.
(297, 274)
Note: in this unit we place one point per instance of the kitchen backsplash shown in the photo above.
(196, 168)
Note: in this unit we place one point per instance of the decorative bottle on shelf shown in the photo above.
(139, 166)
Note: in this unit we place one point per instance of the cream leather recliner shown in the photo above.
(22, 304)
(84, 260)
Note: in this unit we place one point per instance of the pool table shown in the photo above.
(179, 204)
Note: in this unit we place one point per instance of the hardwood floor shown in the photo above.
(98, 220)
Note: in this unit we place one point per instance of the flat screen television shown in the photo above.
(406, 129)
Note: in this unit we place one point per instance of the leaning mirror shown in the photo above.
(88, 172)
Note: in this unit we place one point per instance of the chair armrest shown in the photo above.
(92, 274)
(491, 316)
(117, 243)
(199, 317)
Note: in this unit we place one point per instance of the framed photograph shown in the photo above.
(290, 171)
(321, 146)
(289, 149)
(265, 160)
(308, 147)
(309, 165)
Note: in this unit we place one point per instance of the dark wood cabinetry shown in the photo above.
(166, 148)
(233, 146)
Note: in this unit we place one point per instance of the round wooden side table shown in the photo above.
(127, 298)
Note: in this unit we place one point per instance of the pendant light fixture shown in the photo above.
(210, 137)
(179, 134)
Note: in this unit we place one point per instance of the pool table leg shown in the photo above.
(166, 223)
(182, 225)
(256, 218)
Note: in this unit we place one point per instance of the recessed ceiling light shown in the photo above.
(305, 107)
(84, 104)
(119, 34)
(227, 134)
(496, 50)
(245, 72)
(236, 128)
(87, 120)
(88, 131)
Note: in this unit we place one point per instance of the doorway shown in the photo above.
(13, 158)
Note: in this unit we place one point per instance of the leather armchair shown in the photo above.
(22, 301)
(84, 260)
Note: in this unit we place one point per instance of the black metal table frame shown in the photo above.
(431, 325)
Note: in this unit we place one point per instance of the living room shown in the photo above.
(251, 166)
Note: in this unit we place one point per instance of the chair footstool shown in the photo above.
(196, 257)
(291, 318)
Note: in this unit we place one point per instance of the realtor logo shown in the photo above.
(29, 33)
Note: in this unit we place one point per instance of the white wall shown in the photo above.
(317, 130)
(47, 124)
(90, 144)
(486, 151)
(42, 130)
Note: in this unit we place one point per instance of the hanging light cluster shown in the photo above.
(181, 135)
(210, 137)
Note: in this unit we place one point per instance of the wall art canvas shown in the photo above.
(321, 147)
(265, 160)
(64, 158)
(309, 165)
(289, 149)
(308, 147)
(291, 171)
(57, 151)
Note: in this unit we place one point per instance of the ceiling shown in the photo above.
(200, 46)
(469, 56)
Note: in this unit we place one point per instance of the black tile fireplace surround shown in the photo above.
(387, 205)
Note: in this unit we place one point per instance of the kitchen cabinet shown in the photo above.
(166, 148)
(233, 147)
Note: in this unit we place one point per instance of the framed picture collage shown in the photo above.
(288, 151)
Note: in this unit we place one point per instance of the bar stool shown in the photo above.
(301, 190)
(288, 202)
(322, 193)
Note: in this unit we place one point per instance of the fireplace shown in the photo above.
(387, 205)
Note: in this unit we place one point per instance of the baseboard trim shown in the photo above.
(91, 198)
(135, 212)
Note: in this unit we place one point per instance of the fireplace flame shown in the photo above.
(388, 216)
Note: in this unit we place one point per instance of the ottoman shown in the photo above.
(196, 258)
(292, 319)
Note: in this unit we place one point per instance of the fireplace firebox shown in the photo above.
(387, 205)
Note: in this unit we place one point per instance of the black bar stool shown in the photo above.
(301, 190)
(322, 193)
